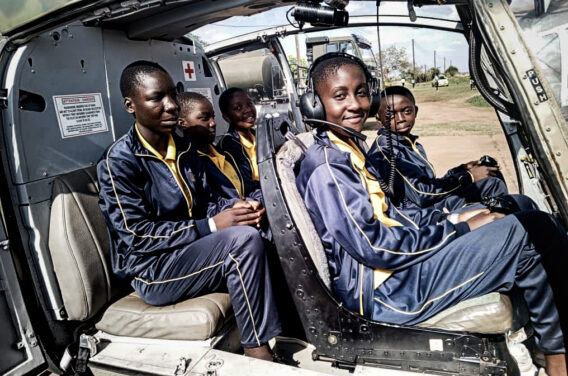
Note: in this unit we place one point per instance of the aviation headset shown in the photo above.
(311, 106)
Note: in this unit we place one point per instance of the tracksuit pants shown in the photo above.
(527, 249)
(232, 260)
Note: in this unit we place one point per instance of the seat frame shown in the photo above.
(345, 337)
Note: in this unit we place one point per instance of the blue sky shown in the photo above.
(452, 46)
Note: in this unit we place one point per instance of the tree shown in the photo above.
(452, 71)
(395, 61)
(293, 62)
(434, 72)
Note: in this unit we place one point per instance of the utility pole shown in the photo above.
(444, 64)
(435, 60)
(298, 57)
(413, 64)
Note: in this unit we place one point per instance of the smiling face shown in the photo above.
(153, 103)
(404, 114)
(240, 111)
(199, 122)
(344, 96)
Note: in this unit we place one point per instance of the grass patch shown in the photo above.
(457, 129)
(457, 90)
(457, 94)
(478, 101)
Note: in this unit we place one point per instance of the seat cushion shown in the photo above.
(193, 319)
(488, 314)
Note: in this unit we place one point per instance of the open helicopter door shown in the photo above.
(19, 346)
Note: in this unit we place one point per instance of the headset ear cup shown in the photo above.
(311, 106)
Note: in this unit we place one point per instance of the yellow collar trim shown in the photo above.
(250, 148)
(369, 182)
(245, 141)
(226, 169)
(170, 153)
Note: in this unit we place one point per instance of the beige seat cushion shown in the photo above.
(194, 319)
(489, 314)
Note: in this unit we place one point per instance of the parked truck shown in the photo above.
(352, 44)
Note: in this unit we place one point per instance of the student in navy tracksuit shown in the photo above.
(222, 173)
(197, 122)
(171, 236)
(404, 267)
(239, 143)
(467, 183)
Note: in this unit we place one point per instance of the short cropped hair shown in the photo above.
(399, 90)
(226, 97)
(188, 100)
(131, 75)
(329, 67)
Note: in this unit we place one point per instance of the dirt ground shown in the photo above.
(447, 151)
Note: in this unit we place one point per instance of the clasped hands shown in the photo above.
(243, 213)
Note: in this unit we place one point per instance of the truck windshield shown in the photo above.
(367, 55)
(347, 47)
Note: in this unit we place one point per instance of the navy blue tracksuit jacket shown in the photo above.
(416, 182)
(230, 145)
(436, 264)
(162, 243)
(220, 183)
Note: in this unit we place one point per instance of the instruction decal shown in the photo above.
(205, 91)
(537, 86)
(189, 70)
(80, 114)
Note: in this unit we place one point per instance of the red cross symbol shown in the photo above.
(188, 70)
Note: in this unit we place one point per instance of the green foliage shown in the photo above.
(433, 72)
(293, 62)
(459, 80)
(452, 71)
(395, 62)
(478, 101)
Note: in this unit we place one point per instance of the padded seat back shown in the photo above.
(289, 155)
(79, 245)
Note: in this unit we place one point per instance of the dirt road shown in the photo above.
(465, 143)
